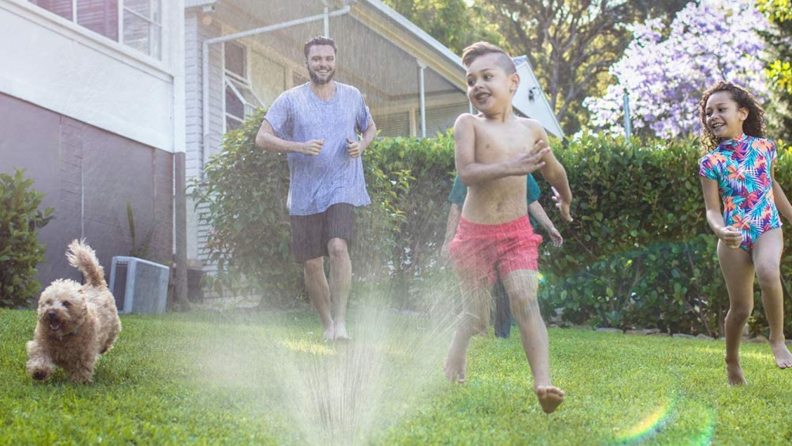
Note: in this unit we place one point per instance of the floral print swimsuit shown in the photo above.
(742, 168)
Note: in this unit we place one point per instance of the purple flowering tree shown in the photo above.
(665, 76)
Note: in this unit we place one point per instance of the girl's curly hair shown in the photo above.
(754, 125)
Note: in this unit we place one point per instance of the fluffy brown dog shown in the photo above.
(76, 323)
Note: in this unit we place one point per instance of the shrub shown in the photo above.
(20, 250)
(638, 254)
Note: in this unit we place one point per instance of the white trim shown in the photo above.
(90, 39)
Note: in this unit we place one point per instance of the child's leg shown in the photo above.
(521, 286)
(767, 261)
(502, 311)
(473, 319)
(738, 271)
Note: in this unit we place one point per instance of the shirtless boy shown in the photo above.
(495, 150)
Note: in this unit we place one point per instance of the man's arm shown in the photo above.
(471, 173)
(356, 148)
(266, 139)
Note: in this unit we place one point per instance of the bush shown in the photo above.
(20, 250)
(639, 253)
(426, 166)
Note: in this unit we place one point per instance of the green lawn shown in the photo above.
(258, 378)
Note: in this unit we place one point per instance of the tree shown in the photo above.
(665, 77)
(571, 44)
(453, 23)
(779, 70)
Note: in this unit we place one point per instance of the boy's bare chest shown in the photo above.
(498, 144)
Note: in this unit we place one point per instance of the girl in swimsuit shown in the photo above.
(737, 171)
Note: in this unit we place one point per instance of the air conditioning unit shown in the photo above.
(139, 286)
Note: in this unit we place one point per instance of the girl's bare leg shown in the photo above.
(738, 271)
(767, 260)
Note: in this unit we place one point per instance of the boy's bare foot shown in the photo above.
(329, 334)
(782, 356)
(455, 364)
(341, 333)
(735, 373)
(549, 397)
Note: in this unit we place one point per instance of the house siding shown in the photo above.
(88, 176)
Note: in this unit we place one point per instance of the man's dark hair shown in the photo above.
(319, 40)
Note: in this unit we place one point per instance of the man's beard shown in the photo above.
(317, 80)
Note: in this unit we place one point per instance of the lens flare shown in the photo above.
(647, 426)
(661, 417)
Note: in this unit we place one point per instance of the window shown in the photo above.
(235, 60)
(240, 101)
(135, 23)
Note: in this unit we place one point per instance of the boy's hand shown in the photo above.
(558, 240)
(312, 147)
(731, 236)
(562, 205)
(525, 163)
(354, 148)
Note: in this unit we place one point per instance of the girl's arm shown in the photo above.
(731, 236)
(781, 200)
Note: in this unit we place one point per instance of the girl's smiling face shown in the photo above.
(724, 117)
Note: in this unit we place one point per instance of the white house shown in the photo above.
(241, 54)
(92, 106)
(99, 99)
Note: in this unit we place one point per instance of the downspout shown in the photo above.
(205, 62)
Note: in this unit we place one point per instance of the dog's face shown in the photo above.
(62, 307)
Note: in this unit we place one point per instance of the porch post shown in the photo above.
(326, 21)
(422, 67)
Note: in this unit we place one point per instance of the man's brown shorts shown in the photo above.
(310, 233)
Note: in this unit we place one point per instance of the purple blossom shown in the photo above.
(665, 77)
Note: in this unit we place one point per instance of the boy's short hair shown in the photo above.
(479, 49)
(319, 40)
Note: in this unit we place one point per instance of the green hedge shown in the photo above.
(20, 250)
(638, 254)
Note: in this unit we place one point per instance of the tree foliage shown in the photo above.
(665, 76)
(779, 70)
(454, 23)
(571, 44)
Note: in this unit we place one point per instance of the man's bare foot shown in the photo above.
(782, 356)
(735, 373)
(549, 397)
(329, 334)
(455, 364)
(341, 333)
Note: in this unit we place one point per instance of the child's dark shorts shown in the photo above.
(310, 233)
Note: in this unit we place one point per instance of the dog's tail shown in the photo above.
(81, 256)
